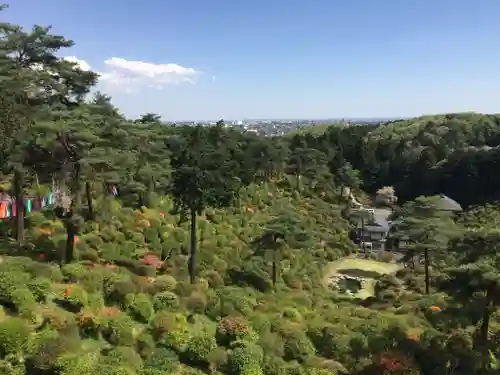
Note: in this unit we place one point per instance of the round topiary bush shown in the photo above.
(165, 283)
(74, 272)
(119, 329)
(196, 302)
(234, 328)
(199, 347)
(165, 301)
(214, 279)
(171, 330)
(246, 358)
(9, 283)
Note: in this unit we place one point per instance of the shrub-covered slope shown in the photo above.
(120, 310)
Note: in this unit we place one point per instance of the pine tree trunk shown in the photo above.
(192, 257)
(75, 202)
(485, 327)
(70, 240)
(365, 250)
(274, 271)
(202, 237)
(90, 204)
(426, 265)
(149, 193)
(19, 199)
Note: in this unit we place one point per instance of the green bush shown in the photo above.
(245, 359)
(214, 279)
(183, 289)
(139, 306)
(74, 272)
(40, 287)
(145, 345)
(122, 356)
(171, 330)
(165, 301)
(292, 314)
(24, 301)
(46, 348)
(49, 271)
(85, 253)
(163, 360)
(298, 346)
(9, 283)
(74, 298)
(165, 283)
(116, 291)
(196, 302)
(119, 330)
(14, 337)
(199, 347)
(234, 328)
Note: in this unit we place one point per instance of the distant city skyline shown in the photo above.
(282, 59)
(368, 119)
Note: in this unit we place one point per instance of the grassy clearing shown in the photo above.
(361, 267)
(366, 265)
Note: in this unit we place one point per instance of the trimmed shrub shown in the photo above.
(119, 329)
(165, 301)
(14, 337)
(139, 306)
(165, 283)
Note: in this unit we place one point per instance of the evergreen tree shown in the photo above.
(428, 227)
(204, 175)
(476, 281)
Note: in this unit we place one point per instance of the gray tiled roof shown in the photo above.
(378, 224)
(448, 204)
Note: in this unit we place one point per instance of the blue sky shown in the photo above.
(238, 59)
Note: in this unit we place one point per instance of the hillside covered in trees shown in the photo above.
(128, 247)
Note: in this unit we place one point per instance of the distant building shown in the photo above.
(448, 204)
(374, 230)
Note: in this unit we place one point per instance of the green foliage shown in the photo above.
(105, 283)
(199, 348)
(245, 358)
(14, 337)
(165, 301)
(139, 306)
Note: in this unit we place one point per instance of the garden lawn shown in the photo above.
(361, 267)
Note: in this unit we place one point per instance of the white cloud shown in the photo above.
(129, 75)
(82, 64)
(132, 74)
